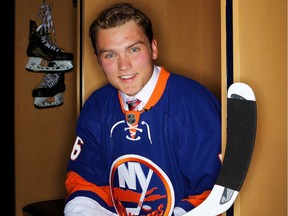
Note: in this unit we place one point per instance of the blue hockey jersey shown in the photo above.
(147, 162)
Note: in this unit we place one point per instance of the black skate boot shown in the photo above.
(44, 55)
(49, 92)
(50, 85)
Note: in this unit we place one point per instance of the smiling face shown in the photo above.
(126, 56)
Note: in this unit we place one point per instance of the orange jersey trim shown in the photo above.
(198, 199)
(75, 182)
(156, 94)
(159, 89)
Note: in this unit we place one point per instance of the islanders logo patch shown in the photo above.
(140, 187)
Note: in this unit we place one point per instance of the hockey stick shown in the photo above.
(241, 131)
(136, 211)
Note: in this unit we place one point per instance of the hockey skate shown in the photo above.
(49, 92)
(44, 55)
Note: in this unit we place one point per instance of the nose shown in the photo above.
(124, 62)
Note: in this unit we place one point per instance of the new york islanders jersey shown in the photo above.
(147, 162)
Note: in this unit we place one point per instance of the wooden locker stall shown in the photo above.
(43, 137)
(192, 41)
(260, 60)
(188, 36)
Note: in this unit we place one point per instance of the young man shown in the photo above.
(156, 156)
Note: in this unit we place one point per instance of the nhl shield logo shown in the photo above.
(131, 119)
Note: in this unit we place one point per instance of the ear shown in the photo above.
(154, 47)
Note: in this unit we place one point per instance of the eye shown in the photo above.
(107, 55)
(134, 49)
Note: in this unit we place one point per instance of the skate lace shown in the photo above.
(47, 26)
(47, 43)
(45, 13)
(49, 80)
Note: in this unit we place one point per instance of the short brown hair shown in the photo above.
(116, 15)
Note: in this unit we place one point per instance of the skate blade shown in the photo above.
(36, 64)
(47, 102)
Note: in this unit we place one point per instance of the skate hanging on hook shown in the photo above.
(43, 52)
(49, 92)
(45, 56)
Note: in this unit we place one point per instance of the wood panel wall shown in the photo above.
(43, 137)
(188, 36)
(260, 60)
(190, 42)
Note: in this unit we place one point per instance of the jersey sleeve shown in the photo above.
(87, 172)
